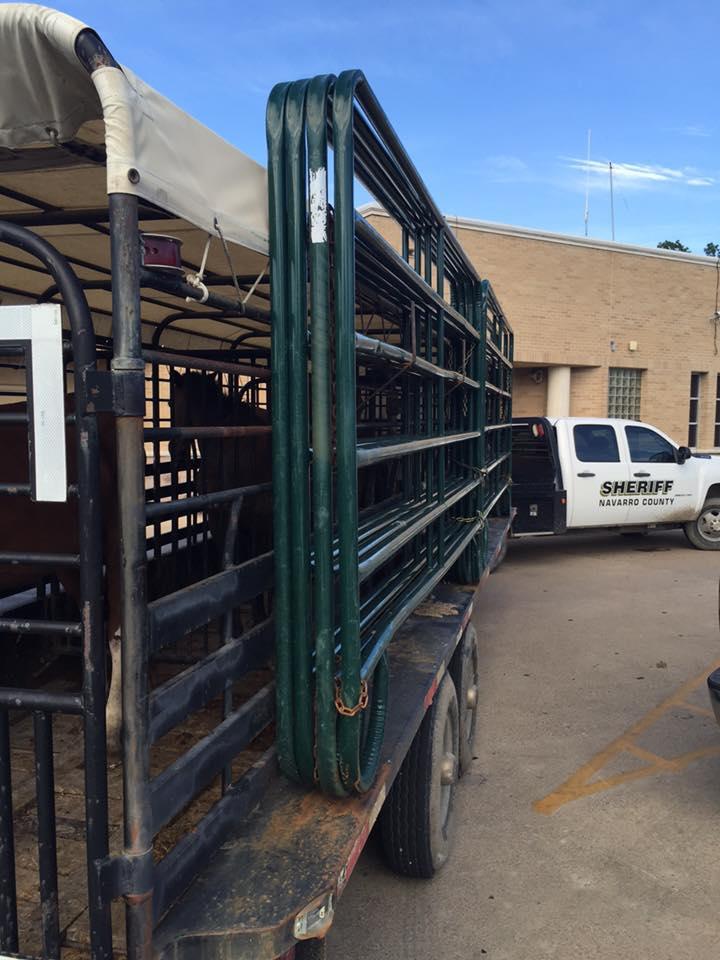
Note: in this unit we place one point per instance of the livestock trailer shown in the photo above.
(255, 467)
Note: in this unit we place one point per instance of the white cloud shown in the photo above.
(641, 174)
(504, 168)
(694, 130)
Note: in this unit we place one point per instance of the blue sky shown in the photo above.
(493, 99)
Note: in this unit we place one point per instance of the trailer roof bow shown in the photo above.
(57, 80)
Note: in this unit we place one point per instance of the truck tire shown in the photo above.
(465, 671)
(417, 817)
(704, 532)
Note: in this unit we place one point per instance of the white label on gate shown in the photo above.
(38, 327)
(318, 205)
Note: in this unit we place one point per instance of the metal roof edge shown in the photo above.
(529, 233)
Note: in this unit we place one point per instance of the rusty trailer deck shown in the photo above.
(278, 877)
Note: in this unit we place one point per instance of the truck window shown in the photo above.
(596, 443)
(646, 446)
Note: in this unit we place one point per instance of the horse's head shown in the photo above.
(196, 399)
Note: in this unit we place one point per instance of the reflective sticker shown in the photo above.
(38, 328)
(318, 205)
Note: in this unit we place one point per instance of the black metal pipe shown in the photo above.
(16, 558)
(15, 488)
(45, 700)
(8, 894)
(175, 508)
(179, 287)
(87, 218)
(47, 850)
(179, 613)
(129, 364)
(41, 627)
(192, 363)
(202, 433)
(181, 781)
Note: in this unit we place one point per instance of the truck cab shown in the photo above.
(573, 473)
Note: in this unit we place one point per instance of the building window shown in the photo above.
(716, 441)
(694, 409)
(624, 393)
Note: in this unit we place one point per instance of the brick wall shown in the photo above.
(568, 299)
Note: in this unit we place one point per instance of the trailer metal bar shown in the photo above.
(42, 627)
(202, 433)
(189, 363)
(8, 892)
(190, 608)
(369, 347)
(45, 559)
(373, 452)
(203, 501)
(181, 781)
(196, 686)
(45, 700)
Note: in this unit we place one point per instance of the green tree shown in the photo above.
(674, 245)
(712, 250)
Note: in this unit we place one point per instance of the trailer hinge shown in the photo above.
(120, 391)
(125, 874)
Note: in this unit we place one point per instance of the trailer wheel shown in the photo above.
(465, 672)
(310, 950)
(417, 817)
(704, 532)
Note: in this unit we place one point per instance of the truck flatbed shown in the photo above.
(289, 861)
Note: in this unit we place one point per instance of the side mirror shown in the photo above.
(683, 454)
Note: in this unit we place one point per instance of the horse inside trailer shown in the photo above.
(134, 492)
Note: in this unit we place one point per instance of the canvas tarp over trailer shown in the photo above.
(75, 128)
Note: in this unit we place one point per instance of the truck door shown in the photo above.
(662, 490)
(599, 475)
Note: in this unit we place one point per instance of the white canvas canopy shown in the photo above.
(70, 136)
(47, 94)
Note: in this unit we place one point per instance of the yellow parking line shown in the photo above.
(578, 784)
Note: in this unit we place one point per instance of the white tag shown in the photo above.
(318, 205)
(39, 327)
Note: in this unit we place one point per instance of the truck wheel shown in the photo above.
(464, 669)
(704, 532)
(416, 819)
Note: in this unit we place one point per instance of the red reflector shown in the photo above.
(161, 252)
(538, 430)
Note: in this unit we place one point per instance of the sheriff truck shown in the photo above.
(573, 473)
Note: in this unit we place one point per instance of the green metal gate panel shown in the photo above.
(386, 371)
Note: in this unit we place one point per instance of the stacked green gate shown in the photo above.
(383, 368)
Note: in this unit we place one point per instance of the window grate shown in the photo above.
(694, 407)
(624, 393)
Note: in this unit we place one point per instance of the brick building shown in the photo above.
(603, 328)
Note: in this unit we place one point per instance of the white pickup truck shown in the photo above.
(574, 473)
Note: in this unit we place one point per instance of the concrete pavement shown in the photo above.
(588, 826)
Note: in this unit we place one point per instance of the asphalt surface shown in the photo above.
(589, 823)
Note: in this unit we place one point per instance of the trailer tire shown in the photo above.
(465, 671)
(311, 950)
(704, 532)
(417, 817)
